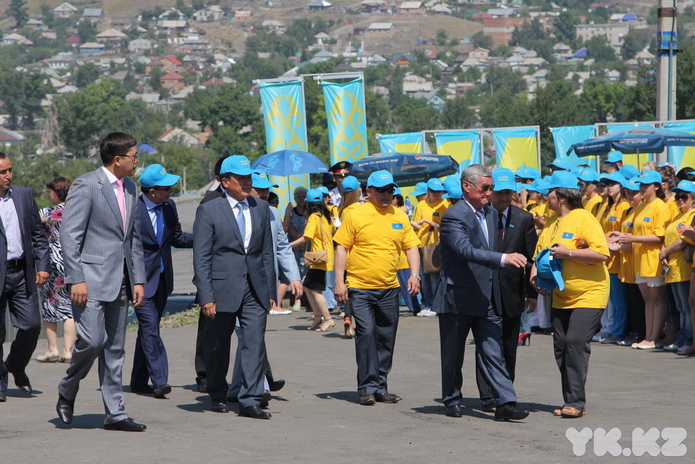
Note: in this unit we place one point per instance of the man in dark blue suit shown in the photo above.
(24, 264)
(468, 295)
(160, 231)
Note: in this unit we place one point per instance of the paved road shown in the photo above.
(316, 418)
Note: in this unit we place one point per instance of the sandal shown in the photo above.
(326, 325)
(569, 412)
(48, 357)
(317, 322)
(557, 412)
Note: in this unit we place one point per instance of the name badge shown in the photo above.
(612, 218)
(567, 235)
(647, 219)
(629, 225)
(397, 226)
(435, 214)
(511, 226)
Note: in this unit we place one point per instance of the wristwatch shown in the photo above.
(416, 275)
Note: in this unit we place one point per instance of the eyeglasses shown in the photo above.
(682, 196)
(387, 189)
(5, 171)
(165, 189)
(485, 188)
(134, 157)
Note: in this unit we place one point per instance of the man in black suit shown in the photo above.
(24, 265)
(234, 266)
(468, 296)
(515, 234)
(160, 230)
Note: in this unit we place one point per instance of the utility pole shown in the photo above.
(667, 47)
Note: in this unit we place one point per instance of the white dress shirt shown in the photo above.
(247, 217)
(10, 221)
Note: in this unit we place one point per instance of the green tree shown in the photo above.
(441, 37)
(22, 93)
(457, 114)
(685, 82)
(19, 11)
(86, 74)
(564, 28)
(481, 40)
(47, 15)
(86, 31)
(599, 49)
(155, 78)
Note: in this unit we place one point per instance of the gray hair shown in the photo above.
(300, 189)
(474, 172)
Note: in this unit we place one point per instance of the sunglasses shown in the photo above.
(485, 188)
(384, 189)
(682, 196)
(5, 171)
(165, 189)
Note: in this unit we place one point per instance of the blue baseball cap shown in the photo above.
(588, 175)
(451, 181)
(632, 185)
(453, 191)
(685, 186)
(563, 179)
(236, 164)
(260, 180)
(614, 157)
(560, 163)
(628, 171)
(323, 189)
(435, 185)
(420, 189)
(549, 271)
(155, 175)
(526, 172)
(539, 185)
(397, 191)
(314, 196)
(380, 178)
(614, 177)
(350, 184)
(649, 177)
(503, 179)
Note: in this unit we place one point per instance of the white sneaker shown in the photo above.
(275, 312)
(673, 347)
(426, 313)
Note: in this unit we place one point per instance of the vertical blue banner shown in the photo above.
(633, 160)
(681, 157)
(565, 137)
(346, 117)
(285, 127)
(515, 148)
(463, 146)
(408, 142)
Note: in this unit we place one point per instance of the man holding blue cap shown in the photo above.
(234, 265)
(428, 214)
(516, 233)
(160, 230)
(375, 234)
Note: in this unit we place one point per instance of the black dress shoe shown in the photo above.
(454, 411)
(509, 411)
(126, 425)
(367, 400)
(386, 398)
(276, 385)
(219, 406)
(488, 405)
(3, 396)
(22, 382)
(162, 390)
(202, 384)
(65, 408)
(141, 389)
(254, 412)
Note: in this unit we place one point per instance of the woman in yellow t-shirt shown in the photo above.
(577, 239)
(647, 237)
(678, 276)
(537, 203)
(626, 269)
(319, 232)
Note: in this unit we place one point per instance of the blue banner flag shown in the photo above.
(565, 137)
(463, 146)
(681, 157)
(516, 147)
(347, 120)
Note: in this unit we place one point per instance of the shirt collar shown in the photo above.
(149, 203)
(110, 175)
(233, 201)
(7, 196)
(483, 209)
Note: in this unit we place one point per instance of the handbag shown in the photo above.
(688, 249)
(312, 258)
(430, 255)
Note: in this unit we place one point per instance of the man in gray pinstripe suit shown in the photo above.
(104, 265)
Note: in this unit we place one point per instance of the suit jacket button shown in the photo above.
(490, 280)
(243, 276)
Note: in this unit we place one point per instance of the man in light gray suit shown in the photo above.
(104, 265)
(234, 267)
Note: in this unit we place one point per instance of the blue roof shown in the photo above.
(629, 17)
(146, 149)
(581, 53)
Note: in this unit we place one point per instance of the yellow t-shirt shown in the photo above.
(650, 219)
(375, 239)
(599, 209)
(611, 222)
(680, 269)
(589, 204)
(313, 232)
(348, 209)
(626, 271)
(432, 212)
(673, 206)
(540, 210)
(586, 285)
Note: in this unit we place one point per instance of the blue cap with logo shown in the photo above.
(350, 184)
(314, 196)
(539, 185)
(614, 177)
(155, 175)
(420, 189)
(380, 178)
(435, 185)
(685, 186)
(503, 179)
(563, 179)
(649, 177)
(549, 271)
(614, 157)
(236, 164)
(323, 189)
(526, 172)
(260, 180)
(588, 175)
(633, 185)
(628, 171)
(453, 191)
(560, 163)
(397, 191)
(451, 181)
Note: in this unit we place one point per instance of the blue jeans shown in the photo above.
(410, 301)
(619, 303)
(328, 293)
(681, 292)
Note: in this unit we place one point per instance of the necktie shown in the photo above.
(241, 221)
(480, 214)
(500, 234)
(160, 232)
(120, 196)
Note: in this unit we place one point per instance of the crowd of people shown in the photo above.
(585, 256)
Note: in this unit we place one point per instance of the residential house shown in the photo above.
(91, 48)
(208, 14)
(482, 54)
(380, 29)
(243, 16)
(111, 35)
(613, 76)
(501, 12)
(34, 25)
(170, 25)
(323, 55)
(373, 6)
(413, 83)
(321, 39)
(62, 62)
(441, 8)
(16, 39)
(614, 33)
(273, 25)
(402, 60)
(319, 5)
(178, 136)
(73, 41)
(65, 10)
(500, 29)
(412, 7)
(93, 14)
(9, 138)
(432, 97)
(172, 81)
(140, 45)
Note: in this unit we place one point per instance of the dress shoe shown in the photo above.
(202, 384)
(386, 398)
(276, 385)
(509, 411)
(367, 400)
(141, 389)
(454, 411)
(3, 396)
(488, 405)
(265, 399)
(65, 408)
(689, 351)
(254, 412)
(126, 425)
(22, 382)
(219, 406)
(162, 390)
